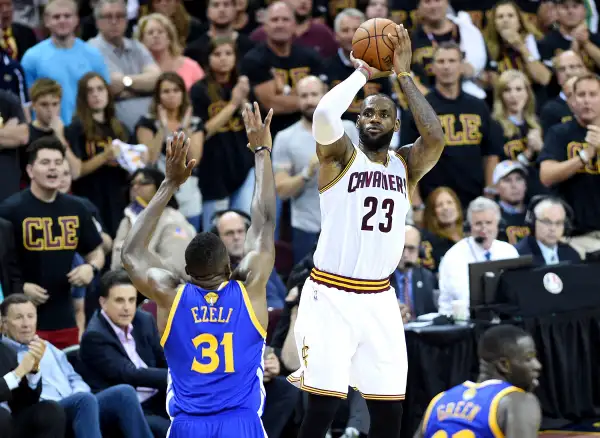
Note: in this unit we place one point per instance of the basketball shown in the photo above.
(371, 43)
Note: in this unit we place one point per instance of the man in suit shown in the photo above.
(10, 273)
(21, 411)
(414, 285)
(121, 345)
(548, 226)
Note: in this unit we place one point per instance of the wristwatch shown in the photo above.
(583, 157)
(127, 81)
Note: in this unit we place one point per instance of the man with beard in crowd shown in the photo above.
(296, 166)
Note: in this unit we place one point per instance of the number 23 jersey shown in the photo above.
(214, 347)
(363, 215)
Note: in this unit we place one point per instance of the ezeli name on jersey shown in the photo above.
(377, 179)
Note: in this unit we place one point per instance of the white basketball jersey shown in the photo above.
(363, 215)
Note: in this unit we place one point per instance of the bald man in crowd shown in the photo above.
(414, 284)
(296, 164)
(566, 65)
(275, 68)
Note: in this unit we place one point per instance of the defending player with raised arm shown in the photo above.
(501, 402)
(207, 261)
(377, 121)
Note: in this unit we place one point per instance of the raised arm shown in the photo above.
(145, 269)
(427, 149)
(256, 266)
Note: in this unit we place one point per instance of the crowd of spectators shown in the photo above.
(90, 90)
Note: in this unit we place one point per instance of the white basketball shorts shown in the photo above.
(349, 338)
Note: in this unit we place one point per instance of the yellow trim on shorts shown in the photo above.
(382, 397)
(493, 415)
(316, 391)
(165, 335)
(427, 415)
(341, 175)
(257, 325)
(346, 283)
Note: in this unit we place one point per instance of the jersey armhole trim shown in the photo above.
(403, 162)
(165, 336)
(341, 175)
(257, 325)
(493, 414)
(427, 415)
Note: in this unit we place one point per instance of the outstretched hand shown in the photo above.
(177, 170)
(371, 72)
(259, 133)
(402, 50)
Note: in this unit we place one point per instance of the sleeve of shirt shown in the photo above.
(200, 100)
(12, 381)
(29, 67)
(75, 138)
(257, 74)
(89, 239)
(75, 380)
(554, 148)
(147, 59)
(492, 137)
(100, 66)
(15, 109)
(454, 284)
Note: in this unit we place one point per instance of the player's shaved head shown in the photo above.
(206, 257)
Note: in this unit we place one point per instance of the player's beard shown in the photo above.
(376, 143)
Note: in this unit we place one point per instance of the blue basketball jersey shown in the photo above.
(468, 410)
(214, 347)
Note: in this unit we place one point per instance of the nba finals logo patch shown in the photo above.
(211, 298)
(469, 394)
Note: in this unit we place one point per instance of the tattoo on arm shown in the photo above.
(427, 150)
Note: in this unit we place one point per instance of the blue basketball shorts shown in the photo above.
(231, 425)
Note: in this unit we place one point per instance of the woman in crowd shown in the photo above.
(188, 28)
(442, 226)
(159, 35)
(226, 173)
(514, 110)
(90, 135)
(173, 232)
(170, 111)
(511, 43)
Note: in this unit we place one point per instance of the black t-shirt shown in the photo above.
(105, 186)
(555, 111)
(199, 48)
(512, 227)
(423, 46)
(405, 12)
(48, 234)
(257, 65)
(554, 43)
(515, 145)
(226, 160)
(337, 71)
(10, 166)
(581, 192)
(434, 247)
(469, 134)
(479, 10)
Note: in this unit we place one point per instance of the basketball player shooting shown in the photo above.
(349, 329)
(214, 323)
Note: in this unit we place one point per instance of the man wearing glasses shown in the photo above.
(133, 72)
(549, 221)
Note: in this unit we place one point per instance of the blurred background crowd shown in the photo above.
(103, 83)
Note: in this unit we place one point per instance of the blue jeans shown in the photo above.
(241, 199)
(302, 243)
(117, 406)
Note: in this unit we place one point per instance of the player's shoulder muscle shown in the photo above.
(519, 415)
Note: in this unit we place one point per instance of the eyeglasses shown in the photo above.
(549, 223)
(113, 17)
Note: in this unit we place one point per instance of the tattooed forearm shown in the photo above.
(426, 152)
